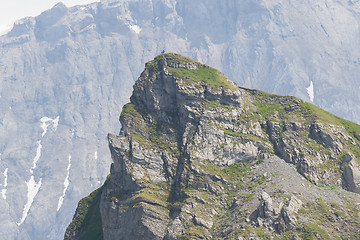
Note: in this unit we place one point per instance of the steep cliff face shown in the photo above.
(198, 157)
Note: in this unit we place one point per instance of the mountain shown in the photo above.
(198, 157)
(65, 75)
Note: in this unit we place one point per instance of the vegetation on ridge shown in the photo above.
(176, 58)
(201, 76)
(86, 223)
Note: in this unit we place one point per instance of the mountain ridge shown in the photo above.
(194, 148)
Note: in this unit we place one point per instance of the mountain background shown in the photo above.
(11, 11)
(66, 73)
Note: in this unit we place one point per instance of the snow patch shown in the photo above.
(135, 28)
(45, 123)
(37, 156)
(96, 155)
(66, 185)
(310, 91)
(3, 191)
(33, 189)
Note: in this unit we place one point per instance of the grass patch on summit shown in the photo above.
(208, 76)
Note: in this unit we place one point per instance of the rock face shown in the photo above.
(281, 219)
(69, 71)
(351, 177)
(194, 150)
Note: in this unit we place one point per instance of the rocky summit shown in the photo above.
(198, 157)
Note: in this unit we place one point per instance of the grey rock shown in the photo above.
(203, 221)
(176, 228)
(351, 177)
(281, 219)
(317, 133)
(150, 223)
(287, 219)
(266, 208)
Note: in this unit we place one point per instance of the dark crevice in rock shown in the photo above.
(184, 163)
(175, 210)
(176, 194)
(278, 143)
(166, 167)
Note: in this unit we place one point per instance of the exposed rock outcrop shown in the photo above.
(194, 151)
(281, 218)
(351, 176)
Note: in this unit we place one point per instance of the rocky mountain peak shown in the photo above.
(175, 87)
(194, 150)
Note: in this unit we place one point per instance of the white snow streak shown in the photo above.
(66, 185)
(45, 123)
(310, 91)
(37, 156)
(32, 185)
(3, 191)
(135, 28)
(33, 189)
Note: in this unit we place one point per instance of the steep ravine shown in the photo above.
(198, 157)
